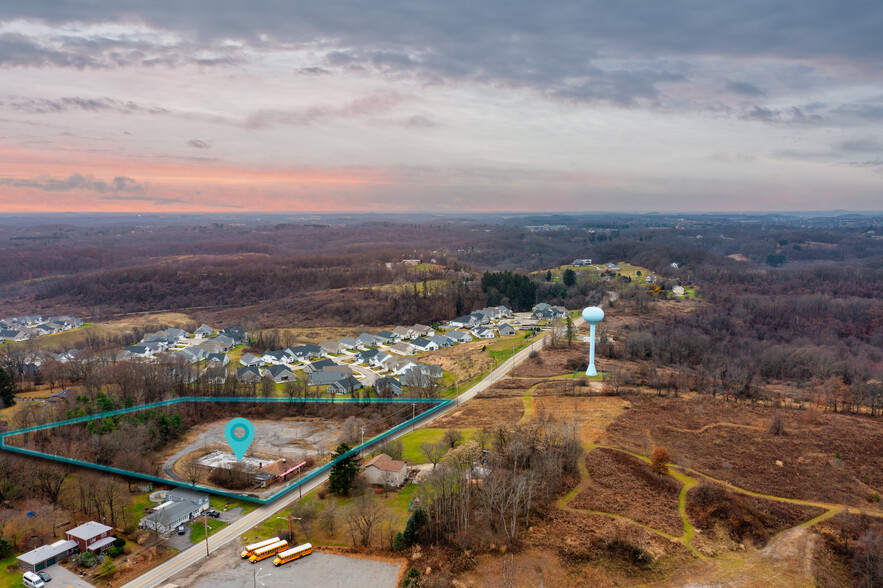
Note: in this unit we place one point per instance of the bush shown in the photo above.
(87, 560)
(5, 548)
(660, 459)
(113, 551)
(119, 543)
(777, 425)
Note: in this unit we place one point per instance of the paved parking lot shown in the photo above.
(62, 578)
(225, 569)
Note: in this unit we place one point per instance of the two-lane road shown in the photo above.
(233, 531)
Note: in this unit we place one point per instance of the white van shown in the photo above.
(32, 580)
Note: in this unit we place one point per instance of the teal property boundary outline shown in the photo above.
(442, 403)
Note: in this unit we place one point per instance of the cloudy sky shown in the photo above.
(201, 105)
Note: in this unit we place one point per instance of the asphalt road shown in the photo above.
(232, 532)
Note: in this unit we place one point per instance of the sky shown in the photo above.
(284, 105)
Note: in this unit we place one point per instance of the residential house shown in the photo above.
(387, 337)
(366, 340)
(191, 354)
(318, 366)
(402, 348)
(215, 345)
(505, 330)
(349, 343)
(92, 537)
(345, 386)
(386, 471)
(217, 360)
(423, 330)
(181, 506)
(326, 377)
(306, 352)
(176, 334)
(235, 334)
(463, 322)
(483, 332)
(47, 555)
(459, 336)
(60, 396)
(581, 262)
(613, 267)
(679, 291)
(399, 365)
(484, 315)
(378, 360)
(543, 311)
(332, 347)
(215, 375)
(250, 374)
(650, 279)
(442, 341)
(279, 357)
(388, 387)
(141, 351)
(249, 359)
(67, 356)
(504, 312)
(203, 331)
(365, 356)
(279, 373)
(404, 333)
(410, 262)
(13, 335)
(423, 344)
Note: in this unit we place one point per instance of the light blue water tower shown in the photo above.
(592, 315)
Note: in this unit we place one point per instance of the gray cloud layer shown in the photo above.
(120, 184)
(559, 47)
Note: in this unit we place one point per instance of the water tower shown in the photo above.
(592, 315)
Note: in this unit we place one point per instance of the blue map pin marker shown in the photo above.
(240, 434)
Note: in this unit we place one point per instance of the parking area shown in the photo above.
(225, 569)
(62, 577)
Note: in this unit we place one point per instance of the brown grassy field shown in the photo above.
(464, 361)
(483, 413)
(826, 457)
(592, 414)
(621, 484)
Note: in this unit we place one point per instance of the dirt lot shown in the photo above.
(553, 362)
(510, 387)
(483, 413)
(626, 553)
(621, 484)
(592, 414)
(826, 457)
(464, 360)
(742, 517)
(225, 569)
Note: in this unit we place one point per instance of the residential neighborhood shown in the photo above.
(23, 328)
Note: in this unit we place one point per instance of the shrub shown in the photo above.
(660, 459)
(113, 551)
(5, 548)
(119, 543)
(87, 560)
(777, 425)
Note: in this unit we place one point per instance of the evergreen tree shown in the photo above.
(569, 277)
(343, 472)
(7, 388)
(548, 275)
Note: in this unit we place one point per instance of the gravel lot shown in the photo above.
(225, 569)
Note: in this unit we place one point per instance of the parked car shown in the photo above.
(32, 580)
(213, 513)
(181, 530)
(44, 575)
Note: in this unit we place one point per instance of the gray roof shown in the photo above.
(45, 552)
(89, 530)
(186, 494)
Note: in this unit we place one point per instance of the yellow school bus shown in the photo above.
(250, 549)
(293, 554)
(269, 550)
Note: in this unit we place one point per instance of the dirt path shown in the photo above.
(712, 425)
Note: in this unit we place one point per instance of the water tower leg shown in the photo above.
(591, 371)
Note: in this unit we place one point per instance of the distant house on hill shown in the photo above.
(679, 291)
(217, 359)
(349, 343)
(326, 377)
(215, 375)
(332, 346)
(388, 387)
(249, 359)
(424, 344)
(318, 366)
(388, 337)
(483, 333)
(404, 333)
(506, 329)
(423, 330)
(442, 341)
(459, 336)
(235, 334)
(402, 348)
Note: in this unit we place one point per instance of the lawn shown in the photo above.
(225, 504)
(135, 512)
(412, 441)
(8, 580)
(502, 349)
(198, 527)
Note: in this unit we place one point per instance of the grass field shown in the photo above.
(225, 504)
(7, 579)
(412, 441)
(198, 527)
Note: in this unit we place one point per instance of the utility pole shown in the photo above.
(205, 525)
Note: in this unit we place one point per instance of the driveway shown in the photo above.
(63, 577)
